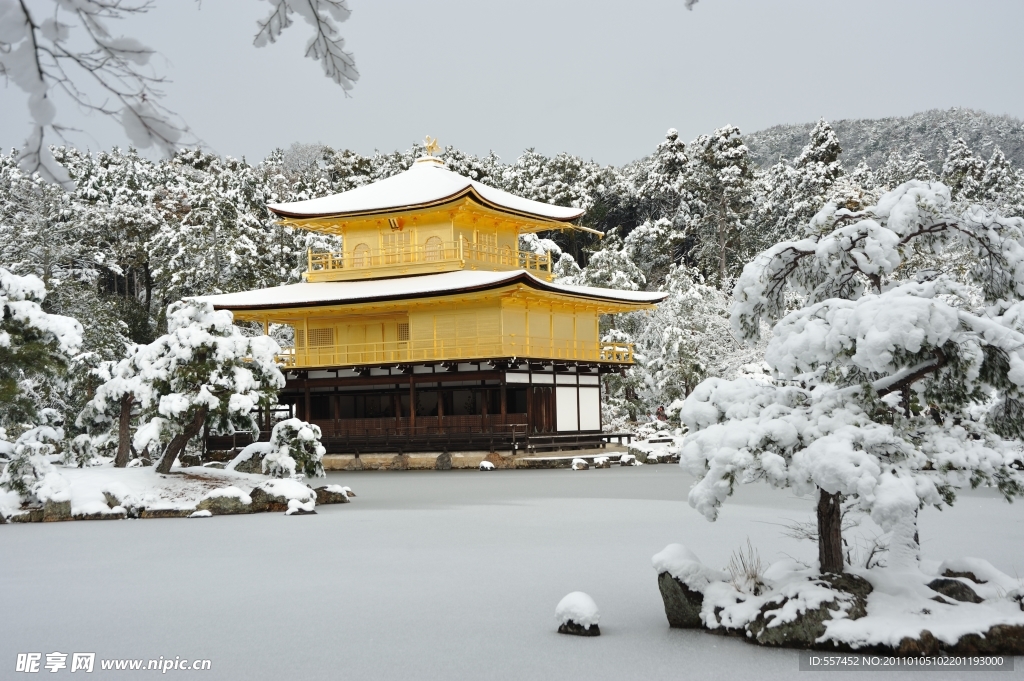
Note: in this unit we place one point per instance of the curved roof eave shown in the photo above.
(470, 192)
(515, 277)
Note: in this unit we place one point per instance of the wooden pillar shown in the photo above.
(412, 405)
(504, 398)
(307, 414)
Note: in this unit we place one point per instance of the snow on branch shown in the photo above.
(66, 47)
(326, 44)
(852, 252)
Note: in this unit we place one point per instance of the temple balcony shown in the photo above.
(454, 350)
(433, 256)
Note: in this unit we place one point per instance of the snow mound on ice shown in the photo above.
(578, 607)
(486, 466)
(296, 506)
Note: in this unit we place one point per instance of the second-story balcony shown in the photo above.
(455, 349)
(433, 256)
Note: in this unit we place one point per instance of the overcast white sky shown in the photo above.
(596, 78)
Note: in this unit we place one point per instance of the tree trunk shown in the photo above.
(147, 280)
(830, 533)
(904, 543)
(178, 442)
(124, 440)
(723, 240)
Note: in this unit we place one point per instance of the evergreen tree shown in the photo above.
(898, 169)
(897, 383)
(202, 372)
(663, 179)
(792, 193)
(34, 345)
(962, 171)
(720, 202)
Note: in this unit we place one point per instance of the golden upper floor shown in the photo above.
(425, 220)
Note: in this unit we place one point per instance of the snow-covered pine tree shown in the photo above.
(962, 171)
(1002, 185)
(688, 338)
(107, 417)
(611, 267)
(33, 344)
(294, 450)
(793, 193)
(216, 234)
(898, 169)
(202, 372)
(720, 202)
(666, 170)
(896, 382)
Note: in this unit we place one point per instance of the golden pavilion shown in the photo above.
(430, 329)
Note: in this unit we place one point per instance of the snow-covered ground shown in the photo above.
(431, 575)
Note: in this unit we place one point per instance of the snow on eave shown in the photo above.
(327, 293)
(425, 185)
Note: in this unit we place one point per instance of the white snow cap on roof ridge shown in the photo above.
(427, 182)
(343, 292)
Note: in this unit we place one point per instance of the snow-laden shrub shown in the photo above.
(29, 472)
(294, 450)
(81, 451)
(33, 343)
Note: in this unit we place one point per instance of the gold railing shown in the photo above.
(357, 263)
(455, 349)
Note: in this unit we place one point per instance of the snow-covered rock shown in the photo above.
(602, 462)
(332, 494)
(682, 579)
(899, 610)
(577, 614)
(627, 460)
(580, 464)
(226, 501)
(250, 459)
(275, 495)
(486, 466)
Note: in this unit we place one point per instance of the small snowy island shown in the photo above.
(577, 614)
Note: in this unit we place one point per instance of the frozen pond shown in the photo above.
(427, 575)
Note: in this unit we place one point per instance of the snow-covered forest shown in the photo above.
(135, 236)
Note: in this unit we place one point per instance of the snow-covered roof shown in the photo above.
(426, 285)
(427, 183)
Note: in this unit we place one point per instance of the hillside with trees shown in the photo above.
(928, 133)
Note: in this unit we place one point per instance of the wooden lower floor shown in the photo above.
(457, 407)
